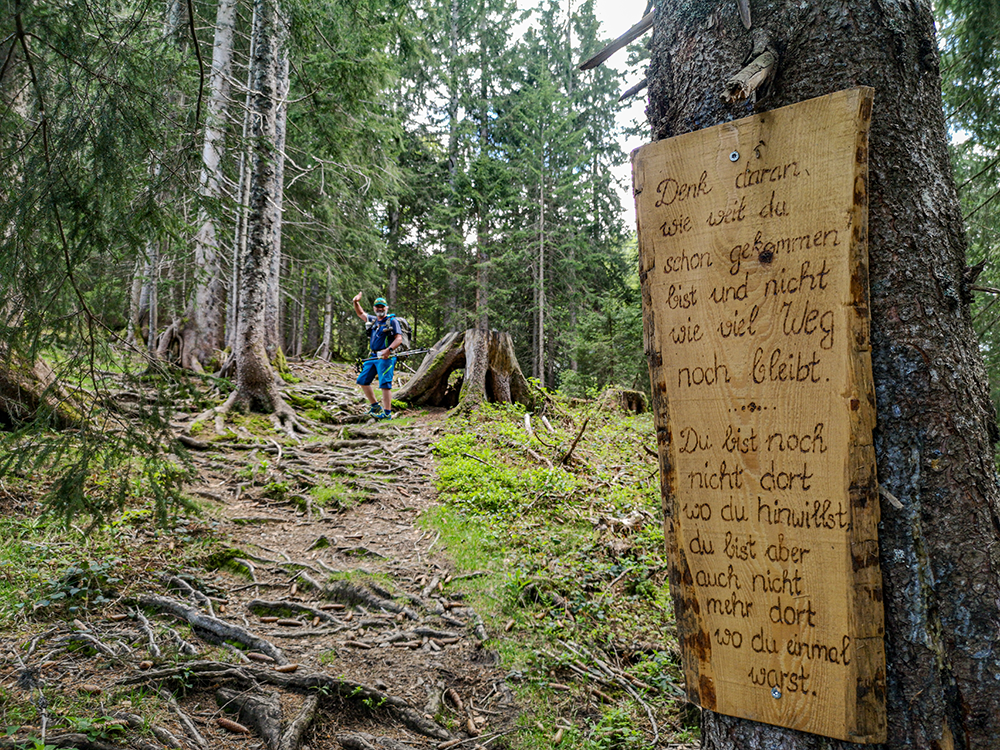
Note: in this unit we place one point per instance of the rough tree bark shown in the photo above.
(272, 313)
(936, 426)
(256, 384)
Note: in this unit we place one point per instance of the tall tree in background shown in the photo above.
(206, 314)
(940, 550)
(256, 383)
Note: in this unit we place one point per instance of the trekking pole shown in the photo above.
(401, 355)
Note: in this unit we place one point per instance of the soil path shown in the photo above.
(319, 625)
(358, 593)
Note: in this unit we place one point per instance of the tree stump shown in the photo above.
(624, 400)
(489, 366)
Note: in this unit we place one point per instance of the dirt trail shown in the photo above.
(320, 627)
(398, 627)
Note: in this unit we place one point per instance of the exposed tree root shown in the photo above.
(78, 741)
(259, 711)
(283, 417)
(349, 593)
(359, 741)
(297, 728)
(216, 630)
(185, 721)
(287, 609)
(209, 672)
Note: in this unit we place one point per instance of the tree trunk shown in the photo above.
(255, 381)
(300, 324)
(324, 347)
(151, 294)
(540, 354)
(940, 551)
(454, 242)
(207, 312)
(272, 314)
(243, 206)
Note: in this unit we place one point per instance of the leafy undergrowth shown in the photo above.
(564, 522)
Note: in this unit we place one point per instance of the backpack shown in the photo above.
(404, 329)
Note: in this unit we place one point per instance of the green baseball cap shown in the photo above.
(380, 301)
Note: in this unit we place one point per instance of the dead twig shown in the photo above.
(569, 453)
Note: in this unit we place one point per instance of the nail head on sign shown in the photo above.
(775, 692)
(735, 156)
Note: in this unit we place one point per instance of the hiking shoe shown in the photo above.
(375, 410)
(384, 415)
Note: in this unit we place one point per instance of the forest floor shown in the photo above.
(307, 605)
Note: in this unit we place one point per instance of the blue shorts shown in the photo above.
(383, 367)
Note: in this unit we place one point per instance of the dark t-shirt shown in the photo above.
(382, 333)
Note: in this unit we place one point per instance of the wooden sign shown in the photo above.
(753, 259)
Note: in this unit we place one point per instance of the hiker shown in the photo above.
(386, 336)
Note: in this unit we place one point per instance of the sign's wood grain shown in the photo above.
(753, 258)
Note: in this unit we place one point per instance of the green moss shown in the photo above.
(276, 490)
(320, 415)
(511, 510)
(221, 559)
(302, 402)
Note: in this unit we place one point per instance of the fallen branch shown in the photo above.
(569, 453)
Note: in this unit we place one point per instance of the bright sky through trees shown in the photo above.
(617, 17)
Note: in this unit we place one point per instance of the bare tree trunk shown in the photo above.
(392, 240)
(134, 333)
(313, 308)
(940, 544)
(256, 388)
(454, 242)
(324, 349)
(540, 356)
(243, 207)
(151, 293)
(300, 316)
(273, 311)
(207, 312)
